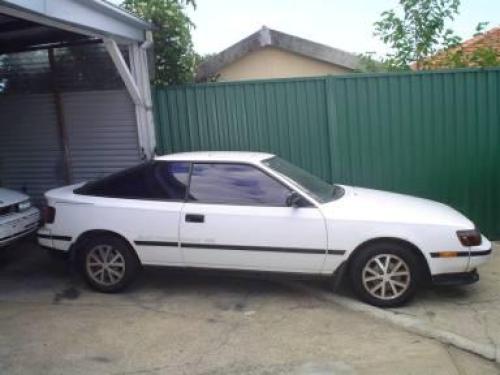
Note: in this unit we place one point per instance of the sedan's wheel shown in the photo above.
(105, 265)
(108, 263)
(385, 274)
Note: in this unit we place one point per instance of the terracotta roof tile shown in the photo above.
(490, 38)
(487, 39)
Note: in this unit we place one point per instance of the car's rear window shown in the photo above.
(152, 180)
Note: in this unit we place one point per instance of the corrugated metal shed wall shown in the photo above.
(30, 153)
(434, 134)
(98, 114)
(102, 137)
(102, 132)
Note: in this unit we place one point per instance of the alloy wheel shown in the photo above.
(105, 265)
(386, 276)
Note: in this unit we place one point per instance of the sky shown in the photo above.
(344, 24)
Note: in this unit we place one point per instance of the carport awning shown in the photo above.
(46, 21)
(17, 35)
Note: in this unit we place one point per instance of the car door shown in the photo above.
(158, 240)
(236, 217)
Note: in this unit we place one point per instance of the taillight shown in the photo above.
(49, 214)
(469, 237)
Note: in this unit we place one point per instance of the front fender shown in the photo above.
(350, 235)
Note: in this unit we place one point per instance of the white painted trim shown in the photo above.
(134, 85)
(149, 40)
(139, 69)
(139, 108)
(123, 70)
(146, 91)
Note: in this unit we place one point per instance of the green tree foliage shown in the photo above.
(416, 30)
(175, 58)
(368, 63)
(418, 35)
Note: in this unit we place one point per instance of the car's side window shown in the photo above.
(159, 180)
(173, 178)
(228, 183)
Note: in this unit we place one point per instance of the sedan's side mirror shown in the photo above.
(293, 200)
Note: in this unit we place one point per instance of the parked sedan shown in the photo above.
(258, 212)
(17, 217)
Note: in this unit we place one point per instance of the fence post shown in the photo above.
(331, 123)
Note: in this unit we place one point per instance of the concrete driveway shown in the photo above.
(472, 311)
(191, 323)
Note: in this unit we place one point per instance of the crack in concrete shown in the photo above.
(453, 361)
(482, 320)
(146, 370)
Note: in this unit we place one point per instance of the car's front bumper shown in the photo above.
(459, 278)
(475, 257)
(478, 256)
(15, 226)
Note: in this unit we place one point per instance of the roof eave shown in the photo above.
(271, 38)
(89, 17)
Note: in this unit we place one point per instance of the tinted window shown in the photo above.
(235, 184)
(160, 180)
(173, 177)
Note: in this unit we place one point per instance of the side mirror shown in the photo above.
(293, 200)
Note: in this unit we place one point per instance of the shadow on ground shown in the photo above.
(26, 269)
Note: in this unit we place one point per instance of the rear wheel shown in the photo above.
(385, 274)
(108, 263)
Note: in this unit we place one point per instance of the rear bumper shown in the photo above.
(460, 278)
(51, 241)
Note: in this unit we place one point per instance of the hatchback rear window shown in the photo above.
(154, 180)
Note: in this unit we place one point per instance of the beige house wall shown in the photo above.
(275, 63)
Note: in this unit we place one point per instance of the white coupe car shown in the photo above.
(17, 217)
(257, 212)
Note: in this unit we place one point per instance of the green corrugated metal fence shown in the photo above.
(433, 134)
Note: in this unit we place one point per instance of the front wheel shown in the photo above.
(385, 274)
(108, 263)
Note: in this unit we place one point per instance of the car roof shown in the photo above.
(225, 156)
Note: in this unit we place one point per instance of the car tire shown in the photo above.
(108, 263)
(385, 274)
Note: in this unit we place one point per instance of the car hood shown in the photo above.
(8, 197)
(380, 206)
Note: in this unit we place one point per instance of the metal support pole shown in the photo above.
(61, 126)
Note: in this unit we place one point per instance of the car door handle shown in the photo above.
(195, 218)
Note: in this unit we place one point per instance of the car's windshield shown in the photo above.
(320, 190)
